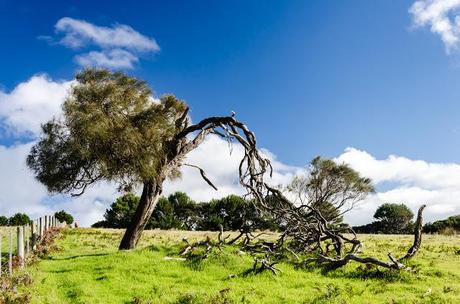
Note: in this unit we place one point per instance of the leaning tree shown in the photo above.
(113, 130)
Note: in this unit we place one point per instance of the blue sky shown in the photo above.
(309, 77)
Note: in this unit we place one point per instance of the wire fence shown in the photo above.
(17, 243)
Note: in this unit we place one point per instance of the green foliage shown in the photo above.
(121, 211)
(330, 188)
(233, 213)
(19, 219)
(394, 218)
(179, 211)
(3, 220)
(391, 219)
(111, 130)
(64, 217)
(452, 223)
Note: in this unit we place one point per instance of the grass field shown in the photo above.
(88, 268)
(5, 242)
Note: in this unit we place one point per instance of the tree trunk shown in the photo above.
(149, 198)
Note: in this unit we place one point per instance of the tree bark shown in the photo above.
(149, 198)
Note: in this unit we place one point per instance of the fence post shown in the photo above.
(21, 245)
(42, 224)
(33, 235)
(27, 239)
(10, 260)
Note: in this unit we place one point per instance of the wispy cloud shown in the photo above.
(442, 16)
(116, 59)
(79, 33)
(118, 46)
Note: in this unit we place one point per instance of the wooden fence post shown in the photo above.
(10, 260)
(33, 235)
(42, 224)
(20, 248)
(27, 239)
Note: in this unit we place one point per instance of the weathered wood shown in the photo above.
(40, 227)
(417, 235)
(45, 227)
(26, 240)
(33, 236)
(149, 198)
(20, 245)
(10, 257)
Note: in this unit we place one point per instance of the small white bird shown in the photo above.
(233, 113)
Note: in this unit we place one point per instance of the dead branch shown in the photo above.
(203, 175)
(417, 235)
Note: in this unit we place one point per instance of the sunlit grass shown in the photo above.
(89, 269)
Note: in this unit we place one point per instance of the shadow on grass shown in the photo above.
(77, 256)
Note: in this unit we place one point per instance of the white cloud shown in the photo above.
(79, 33)
(398, 179)
(117, 59)
(221, 167)
(414, 182)
(118, 46)
(442, 16)
(31, 103)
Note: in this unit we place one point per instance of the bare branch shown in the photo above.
(203, 175)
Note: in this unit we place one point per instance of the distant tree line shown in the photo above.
(20, 219)
(179, 211)
(451, 225)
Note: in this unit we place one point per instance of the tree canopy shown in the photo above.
(179, 211)
(3, 220)
(64, 217)
(111, 129)
(330, 188)
(447, 226)
(394, 218)
(390, 218)
(19, 219)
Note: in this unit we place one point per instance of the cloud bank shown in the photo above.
(442, 17)
(118, 46)
(23, 109)
(403, 180)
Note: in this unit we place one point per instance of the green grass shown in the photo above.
(88, 268)
(5, 240)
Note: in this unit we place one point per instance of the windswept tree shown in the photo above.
(330, 188)
(112, 130)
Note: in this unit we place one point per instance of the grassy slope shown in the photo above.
(89, 269)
